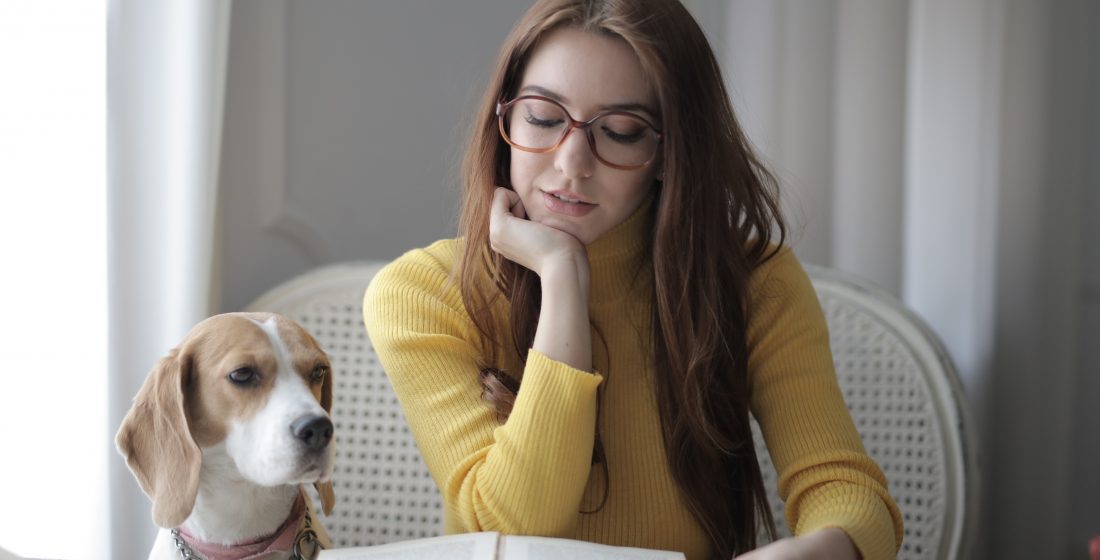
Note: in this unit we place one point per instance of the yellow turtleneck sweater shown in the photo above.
(533, 474)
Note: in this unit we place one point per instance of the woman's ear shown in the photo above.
(155, 438)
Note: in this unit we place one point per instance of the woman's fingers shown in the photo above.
(516, 207)
(499, 214)
(507, 201)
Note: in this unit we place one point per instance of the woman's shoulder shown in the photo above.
(414, 296)
(779, 275)
(423, 269)
(441, 257)
(778, 263)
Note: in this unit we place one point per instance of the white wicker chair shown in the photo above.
(899, 384)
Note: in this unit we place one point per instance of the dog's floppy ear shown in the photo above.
(324, 489)
(155, 438)
(326, 391)
(328, 497)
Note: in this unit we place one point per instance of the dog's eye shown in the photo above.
(318, 373)
(242, 376)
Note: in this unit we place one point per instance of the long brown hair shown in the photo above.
(716, 214)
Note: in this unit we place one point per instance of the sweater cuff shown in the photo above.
(551, 387)
(856, 510)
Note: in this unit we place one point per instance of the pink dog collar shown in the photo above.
(281, 541)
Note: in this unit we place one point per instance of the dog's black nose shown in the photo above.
(314, 431)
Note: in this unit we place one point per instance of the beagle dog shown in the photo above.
(223, 433)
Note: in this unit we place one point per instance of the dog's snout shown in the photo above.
(314, 431)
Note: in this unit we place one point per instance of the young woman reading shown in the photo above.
(583, 359)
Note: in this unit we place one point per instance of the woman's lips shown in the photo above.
(554, 203)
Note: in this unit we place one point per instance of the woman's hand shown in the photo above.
(530, 244)
(563, 333)
(830, 543)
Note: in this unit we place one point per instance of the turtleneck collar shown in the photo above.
(620, 254)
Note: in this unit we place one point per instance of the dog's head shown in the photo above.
(256, 383)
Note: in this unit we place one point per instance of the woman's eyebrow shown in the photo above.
(539, 90)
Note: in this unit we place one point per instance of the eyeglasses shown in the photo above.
(618, 139)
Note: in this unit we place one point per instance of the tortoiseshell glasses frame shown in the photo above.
(646, 144)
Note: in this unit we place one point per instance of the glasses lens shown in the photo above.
(534, 123)
(624, 140)
(620, 138)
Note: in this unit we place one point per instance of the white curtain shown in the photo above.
(166, 83)
(942, 149)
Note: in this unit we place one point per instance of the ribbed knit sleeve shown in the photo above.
(526, 476)
(825, 477)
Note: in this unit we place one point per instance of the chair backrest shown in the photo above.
(900, 386)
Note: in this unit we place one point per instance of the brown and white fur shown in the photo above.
(223, 457)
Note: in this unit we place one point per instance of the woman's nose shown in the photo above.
(574, 158)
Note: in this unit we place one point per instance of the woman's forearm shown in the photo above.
(563, 333)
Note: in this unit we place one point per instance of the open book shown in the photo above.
(495, 546)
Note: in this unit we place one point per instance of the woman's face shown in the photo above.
(569, 189)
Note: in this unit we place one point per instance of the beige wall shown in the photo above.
(344, 123)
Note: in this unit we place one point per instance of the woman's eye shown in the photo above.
(545, 123)
(627, 138)
(318, 373)
(242, 376)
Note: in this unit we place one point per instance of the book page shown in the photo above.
(542, 548)
(468, 546)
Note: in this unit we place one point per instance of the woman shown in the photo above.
(582, 360)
